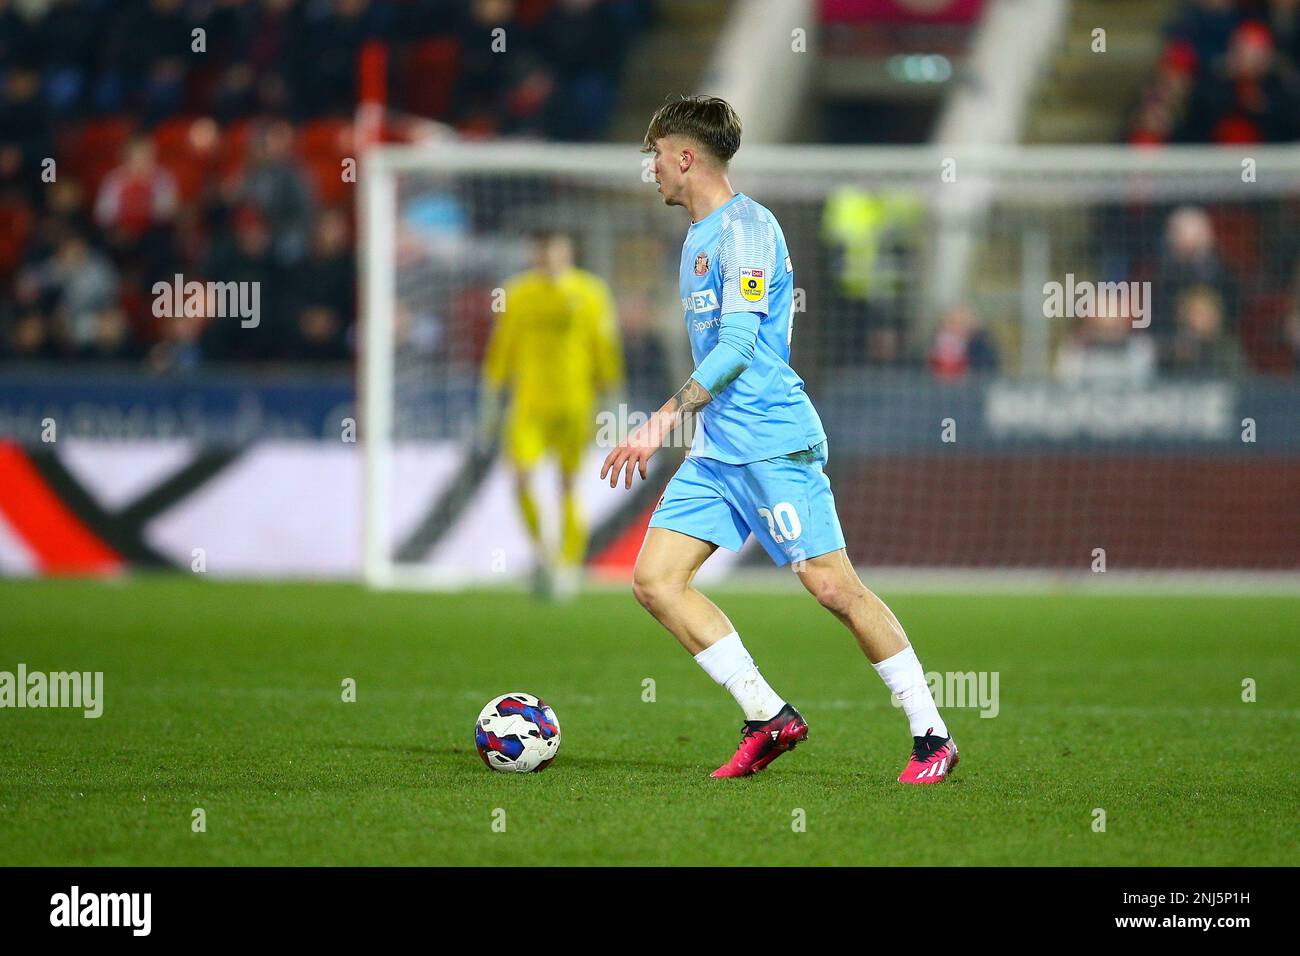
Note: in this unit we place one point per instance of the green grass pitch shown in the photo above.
(228, 697)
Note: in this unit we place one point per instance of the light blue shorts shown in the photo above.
(786, 502)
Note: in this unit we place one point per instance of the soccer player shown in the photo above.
(556, 348)
(757, 457)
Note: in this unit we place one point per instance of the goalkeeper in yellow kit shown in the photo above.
(555, 349)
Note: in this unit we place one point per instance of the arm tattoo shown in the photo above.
(691, 397)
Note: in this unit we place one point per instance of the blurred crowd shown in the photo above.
(1229, 73)
(1223, 279)
(145, 139)
(1187, 326)
(1224, 299)
(1202, 300)
(142, 139)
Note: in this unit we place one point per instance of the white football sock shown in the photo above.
(728, 663)
(902, 674)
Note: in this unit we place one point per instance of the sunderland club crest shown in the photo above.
(702, 264)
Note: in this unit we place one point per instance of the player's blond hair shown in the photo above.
(709, 120)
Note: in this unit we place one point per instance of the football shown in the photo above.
(517, 733)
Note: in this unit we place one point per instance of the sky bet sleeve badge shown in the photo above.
(751, 284)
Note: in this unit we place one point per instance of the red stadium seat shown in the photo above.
(16, 222)
(108, 135)
(187, 147)
(327, 181)
(529, 13)
(173, 135)
(96, 149)
(325, 137)
(233, 150)
(323, 145)
(1238, 230)
(1262, 328)
(1235, 131)
(428, 76)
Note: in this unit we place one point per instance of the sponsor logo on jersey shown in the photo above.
(700, 302)
(702, 264)
(752, 284)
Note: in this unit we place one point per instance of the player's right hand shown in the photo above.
(633, 453)
(625, 456)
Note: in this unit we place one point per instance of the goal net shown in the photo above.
(1055, 359)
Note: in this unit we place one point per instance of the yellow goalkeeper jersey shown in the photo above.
(556, 345)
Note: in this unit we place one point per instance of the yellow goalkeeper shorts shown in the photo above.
(566, 435)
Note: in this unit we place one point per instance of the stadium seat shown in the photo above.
(233, 149)
(16, 220)
(529, 13)
(323, 144)
(173, 135)
(327, 183)
(186, 145)
(95, 148)
(1262, 336)
(322, 137)
(1238, 231)
(428, 76)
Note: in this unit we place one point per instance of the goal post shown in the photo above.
(376, 272)
(1050, 360)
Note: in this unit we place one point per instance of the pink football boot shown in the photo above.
(762, 741)
(933, 758)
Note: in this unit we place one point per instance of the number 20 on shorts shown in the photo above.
(781, 515)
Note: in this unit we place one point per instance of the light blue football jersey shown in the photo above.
(735, 260)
